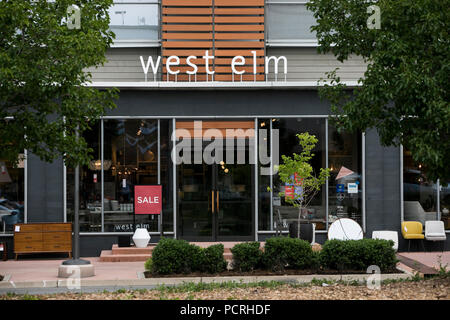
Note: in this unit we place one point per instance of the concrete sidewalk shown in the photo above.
(39, 270)
(44, 274)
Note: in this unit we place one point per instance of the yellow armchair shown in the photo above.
(412, 230)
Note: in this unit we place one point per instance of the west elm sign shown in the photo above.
(147, 199)
(237, 62)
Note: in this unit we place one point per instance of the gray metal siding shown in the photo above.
(382, 186)
(45, 190)
(124, 65)
(305, 64)
(220, 103)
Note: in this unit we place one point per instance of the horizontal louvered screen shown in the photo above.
(187, 29)
(226, 28)
(227, 129)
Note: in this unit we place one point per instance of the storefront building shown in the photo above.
(234, 197)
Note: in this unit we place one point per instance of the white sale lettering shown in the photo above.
(148, 199)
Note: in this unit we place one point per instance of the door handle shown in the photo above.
(217, 199)
(212, 201)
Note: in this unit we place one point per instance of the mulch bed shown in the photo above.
(231, 273)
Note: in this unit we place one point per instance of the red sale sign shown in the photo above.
(147, 199)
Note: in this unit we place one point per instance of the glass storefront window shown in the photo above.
(264, 214)
(288, 144)
(131, 148)
(131, 158)
(444, 205)
(166, 174)
(11, 194)
(90, 186)
(419, 193)
(344, 184)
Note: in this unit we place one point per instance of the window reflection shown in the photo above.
(288, 129)
(90, 187)
(419, 193)
(445, 204)
(138, 20)
(132, 147)
(11, 194)
(344, 184)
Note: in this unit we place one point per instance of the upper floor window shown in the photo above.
(288, 23)
(135, 22)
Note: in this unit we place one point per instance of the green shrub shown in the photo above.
(213, 261)
(246, 256)
(358, 255)
(149, 265)
(284, 252)
(176, 256)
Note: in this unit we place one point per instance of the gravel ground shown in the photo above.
(434, 289)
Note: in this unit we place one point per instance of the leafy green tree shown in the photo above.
(43, 96)
(404, 93)
(296, 170)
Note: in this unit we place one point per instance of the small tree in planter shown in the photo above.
(296, 171)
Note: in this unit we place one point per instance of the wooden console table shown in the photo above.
(42, 238)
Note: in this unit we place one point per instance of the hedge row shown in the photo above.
(179, 256)
(278, 254)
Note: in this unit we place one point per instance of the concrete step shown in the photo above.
(107, 256)
(116, 250)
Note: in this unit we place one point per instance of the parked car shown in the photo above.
(10, 214)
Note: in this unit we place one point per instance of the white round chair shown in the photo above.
(345, 229)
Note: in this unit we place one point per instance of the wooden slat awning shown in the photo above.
(224, 28)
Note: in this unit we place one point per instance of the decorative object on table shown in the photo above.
(387, 235)
(345, 229)
(412, 230)
(435, 231)
(115, 205)
(141, 238)
(106, 205)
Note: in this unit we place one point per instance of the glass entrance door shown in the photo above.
(216, 200)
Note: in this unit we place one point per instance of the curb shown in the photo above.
(143, 282)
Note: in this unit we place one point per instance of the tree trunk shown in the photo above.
(298, 221)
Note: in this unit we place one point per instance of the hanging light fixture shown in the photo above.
(96, 165)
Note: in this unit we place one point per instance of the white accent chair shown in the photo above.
(435, 231)
(387, 235)
(413, 211)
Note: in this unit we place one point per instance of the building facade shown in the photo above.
(241, 76)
